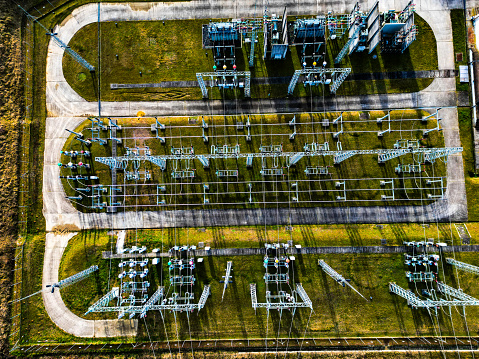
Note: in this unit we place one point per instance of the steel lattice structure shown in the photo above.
(315, 76)
(336, 276)
(225, 79)
(459, 298)
(463, 266)
(430, 155)
(276, 279)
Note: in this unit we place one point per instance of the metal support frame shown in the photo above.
(227, 277)
(337, 25)
(383, 184)
(79, 137)
(408, 168)
(206, 188)
(293, 160)
(336, 276)
(346, 47)
(444, 153)
(203, 297)
(463, 266)
(318, 75)
(204, 161)
(430, 154)
(225, 79)
(102, 303)
(74, 278)
(155, 298)
(316, 170)
(415, 302)
(276, 297)
(254, 298)
(61, 44)
(303, 295)
(344, 155)
(225, 150)
(96, 127)
(278, 306)
(456, 293)
(227, 173)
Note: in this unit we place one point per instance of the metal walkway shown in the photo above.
(217, 252)
(394, 75)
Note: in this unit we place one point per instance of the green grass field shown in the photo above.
(306, 235)
(337, 311)
(459, 41)
(156, 53)
(472, 181)
(232, 192)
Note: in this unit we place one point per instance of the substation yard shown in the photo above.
(276, 184)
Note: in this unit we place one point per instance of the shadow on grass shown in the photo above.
(331, 300)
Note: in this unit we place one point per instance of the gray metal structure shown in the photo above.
(222, 38)
(275, 35)
(227, 277)
(315, 76)
(336, 276)
(456, 297)
(61, 44)
(227, 79)
(132, 295)
(393, 31)
(463, 266)
(74, 278)
(277, 278)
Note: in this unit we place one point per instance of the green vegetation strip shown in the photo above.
(472, 181)
(459, 42)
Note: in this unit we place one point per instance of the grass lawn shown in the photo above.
(232, 192)
(459, 41)
(306, 235)
(472, 181)
(337, 311)
(153, 52)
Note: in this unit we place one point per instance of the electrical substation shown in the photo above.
(205, 214)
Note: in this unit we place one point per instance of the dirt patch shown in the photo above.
(65, 228)
(138, 6)
(169, 56)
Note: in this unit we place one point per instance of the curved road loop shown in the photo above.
(56, 308)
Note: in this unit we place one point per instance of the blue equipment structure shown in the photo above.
(222, 38)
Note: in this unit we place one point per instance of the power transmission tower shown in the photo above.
(229, 268)
(60, 43)
(336, 276)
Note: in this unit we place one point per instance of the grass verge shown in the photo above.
(470, 175)
(459, 42)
